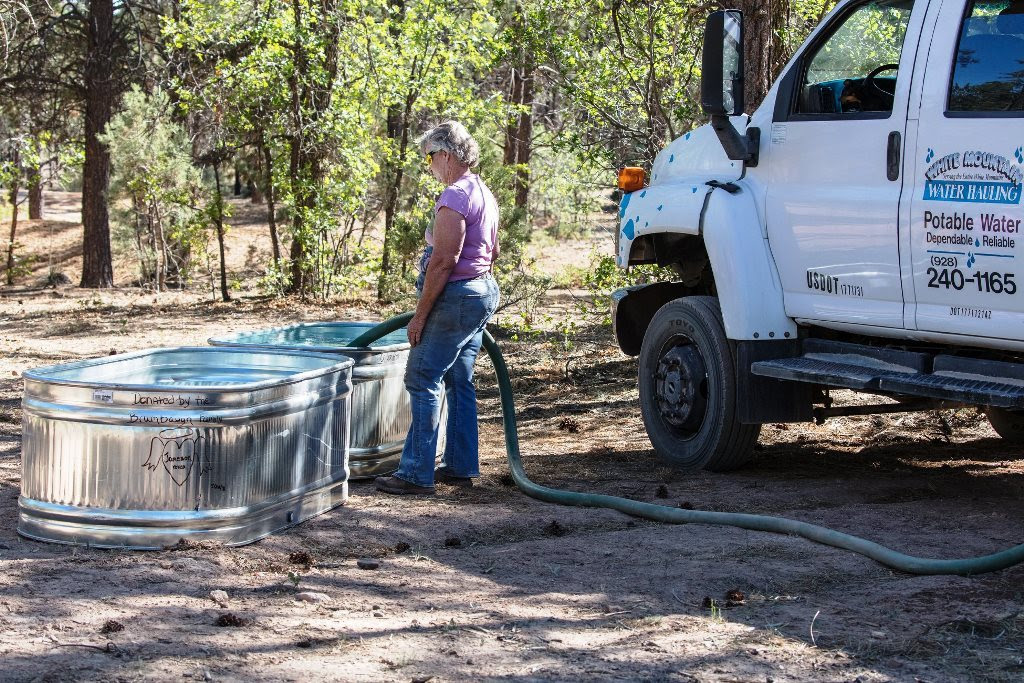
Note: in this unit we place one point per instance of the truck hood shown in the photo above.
(674, 199)
(697, 154)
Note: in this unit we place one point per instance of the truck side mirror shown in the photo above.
(721, 84)
(721, 79)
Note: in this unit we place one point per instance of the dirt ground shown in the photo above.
(487, 584)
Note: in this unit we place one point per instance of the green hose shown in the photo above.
(662, 513)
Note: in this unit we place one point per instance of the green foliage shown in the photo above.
(628, 71)
(274, 281)
(158, 192)
(566, 188)
(604, 277)
(871, 37)
(22, 265)
(520, 283)
(289, 76)
(338, 90)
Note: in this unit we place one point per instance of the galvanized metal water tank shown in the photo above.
(380, 403)
(143, 449)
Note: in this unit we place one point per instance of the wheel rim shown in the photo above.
(681, 386)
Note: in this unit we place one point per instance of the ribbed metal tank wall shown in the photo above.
(380, 403)
(142, 449)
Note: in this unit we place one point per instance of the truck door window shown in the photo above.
(988, 72)
(854, 70)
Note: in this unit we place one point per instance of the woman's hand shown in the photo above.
(449, 235)
(415, 329)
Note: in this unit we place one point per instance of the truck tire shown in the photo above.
(1008, 424)
(688, 388)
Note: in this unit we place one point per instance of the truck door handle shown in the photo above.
(892, 157)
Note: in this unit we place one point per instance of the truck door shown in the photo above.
(832, 202)
(967, 240)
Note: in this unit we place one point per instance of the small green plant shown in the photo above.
(90, 303)
(22, 264)
(274, 280)
(295, 578)
(567, 329)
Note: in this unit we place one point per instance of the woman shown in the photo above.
(457, 296)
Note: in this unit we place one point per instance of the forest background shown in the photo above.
(156, 110)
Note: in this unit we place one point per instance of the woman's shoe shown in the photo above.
(401, 487)
(444, 475)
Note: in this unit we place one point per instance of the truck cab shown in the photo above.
(859, 230)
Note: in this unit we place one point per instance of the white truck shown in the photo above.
(859, 230)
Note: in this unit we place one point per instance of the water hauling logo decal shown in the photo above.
(973, 176)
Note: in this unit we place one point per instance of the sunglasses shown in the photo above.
(430, 155)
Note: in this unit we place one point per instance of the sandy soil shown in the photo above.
(487, 584)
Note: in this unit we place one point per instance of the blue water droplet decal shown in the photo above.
(931, 155)
(671, 158)
(629, 230)
(646, 223)
(660, 207)
(1019, 153)
(687, 136)
(643, 194)
(624, 204)
(977, 243)
(693, 190)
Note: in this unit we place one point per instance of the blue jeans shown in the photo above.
(446, 355)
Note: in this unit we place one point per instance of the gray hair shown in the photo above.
(452, 137)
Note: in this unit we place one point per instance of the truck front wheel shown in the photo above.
(1008, 424)
(688, 388)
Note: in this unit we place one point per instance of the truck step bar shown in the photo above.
(944, 377)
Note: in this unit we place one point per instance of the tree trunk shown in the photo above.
(161, 239)
(763, 49)
(268, 170)
(144, 271)
(397, 132)
(395, 172)
(35, 194)
(519, 131)
(297, 252)
(308, 105)
(219, 219)
(97, 267)
(14, 231)
(255, 193)
(525, 135)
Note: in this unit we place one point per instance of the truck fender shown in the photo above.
(747, 281)
(634, 307)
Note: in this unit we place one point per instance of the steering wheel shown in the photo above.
(869, 80)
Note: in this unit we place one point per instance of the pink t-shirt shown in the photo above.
(469, 197)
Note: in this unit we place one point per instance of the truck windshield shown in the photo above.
(855, 68)
(988, 74)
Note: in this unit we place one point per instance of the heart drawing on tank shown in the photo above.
(178, 450)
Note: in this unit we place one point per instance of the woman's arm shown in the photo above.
(449, 236)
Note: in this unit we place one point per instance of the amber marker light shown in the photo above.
(631, 178)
